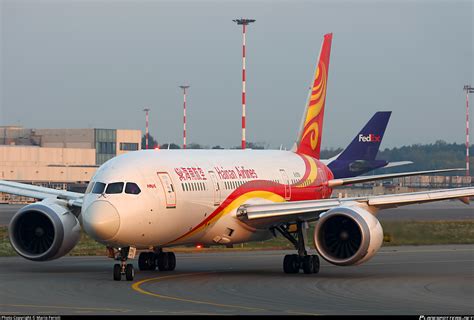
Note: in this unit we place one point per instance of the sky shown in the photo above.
(97, 64)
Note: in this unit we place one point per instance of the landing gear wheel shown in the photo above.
(117, 272)
(315, 263)
(296, 263)
(166, 261)
(293, 263)
(287, 264)
(129, 272)
(163, 261)
(171, 261)
(147, 261)
(308, 264)
(142, 261)
(290, 264)
(151, 261)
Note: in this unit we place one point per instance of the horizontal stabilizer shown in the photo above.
(397, 164)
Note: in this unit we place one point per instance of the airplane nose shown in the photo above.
(101, 220)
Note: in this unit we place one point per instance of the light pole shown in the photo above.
(468, 90)
(184, 87)
(146, 127)
(244, 23)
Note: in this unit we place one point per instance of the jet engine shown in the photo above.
(44, 231)
(347, 235)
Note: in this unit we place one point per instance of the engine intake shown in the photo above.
(44, 231)
(348, 235)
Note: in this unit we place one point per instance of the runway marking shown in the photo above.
(63, 307)
(412, 262)
(423, 251)
(137, 287)
(303, 313)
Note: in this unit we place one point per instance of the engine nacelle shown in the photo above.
(347, 235)
(44, 231)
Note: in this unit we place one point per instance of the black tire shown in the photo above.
(316, 263)
(171, 261)
(117, 272)
(295, 266)
(152, 261)
(142, 261)
(129, 272)
(308, 264)
(287, 264)
(291, 264)
(163, 261)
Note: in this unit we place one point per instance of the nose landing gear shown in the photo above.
(123, 268)
(292, 263)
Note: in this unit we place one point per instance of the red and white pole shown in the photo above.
(244, 144)
(184, 118)
(244, 23)
(467, 133)
(184, 115)
(146, 127)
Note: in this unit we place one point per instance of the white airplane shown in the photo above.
(150, 200)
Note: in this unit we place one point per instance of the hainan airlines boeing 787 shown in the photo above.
(155, 199)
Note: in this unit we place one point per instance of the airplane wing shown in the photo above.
(273, 214)
(37, 192)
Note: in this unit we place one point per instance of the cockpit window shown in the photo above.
(89, 187)
(132, 188)
(98, 188)
(115, 187)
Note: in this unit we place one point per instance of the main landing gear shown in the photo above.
(164, 261)
(123, 268)
(292, 263)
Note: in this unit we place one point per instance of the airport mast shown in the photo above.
(244, 23)
(146, 128)
(468, 90)
(184, 87)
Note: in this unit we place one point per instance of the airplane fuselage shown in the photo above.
(191, 196)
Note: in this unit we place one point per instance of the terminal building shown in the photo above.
(60, 158)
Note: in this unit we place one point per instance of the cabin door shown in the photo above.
(168, 189)
(216, 187)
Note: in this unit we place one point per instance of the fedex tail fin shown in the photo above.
(359, 156)
(309, 136)
(366, 143)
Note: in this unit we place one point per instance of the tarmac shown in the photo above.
(420, 280)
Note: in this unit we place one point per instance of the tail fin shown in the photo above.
(366, 143)
(309, 137)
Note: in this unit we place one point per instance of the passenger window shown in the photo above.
(98, 188)
(131, 188)
(115, 187)
(89, 187)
